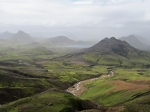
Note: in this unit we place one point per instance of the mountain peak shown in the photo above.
(20, 32)
(6, 32)
(113, 38)
(110, 46)
(109, 39)
(21, 37)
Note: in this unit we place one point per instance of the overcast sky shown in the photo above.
(80, 19)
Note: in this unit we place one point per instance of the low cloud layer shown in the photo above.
(86, 19)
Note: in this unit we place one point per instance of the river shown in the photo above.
(78, 88)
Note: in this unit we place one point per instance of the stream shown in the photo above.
(78, 88)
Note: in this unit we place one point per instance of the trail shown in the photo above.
(78, 88)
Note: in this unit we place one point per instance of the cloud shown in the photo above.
(74, 15)
(83, 2)
(147, 16)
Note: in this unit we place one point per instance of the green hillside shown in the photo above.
(49, 101)
(127, 87)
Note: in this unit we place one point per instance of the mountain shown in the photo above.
(51, 101)
(114, 51)
(112, 46)
(21, 37)
(58, 41)
(63, 41)
(6, 35)
(137, 42)
(142, 40)
(111, 51)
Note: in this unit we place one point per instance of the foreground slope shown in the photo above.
(49, 101)
(127, 87)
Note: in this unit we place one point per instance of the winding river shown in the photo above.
(78, 89)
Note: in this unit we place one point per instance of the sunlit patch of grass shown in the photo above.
(107, 92)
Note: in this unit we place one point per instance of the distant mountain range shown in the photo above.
(137, 42)
(60, 41)
(63, 41)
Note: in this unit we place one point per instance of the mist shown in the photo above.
(85, 19)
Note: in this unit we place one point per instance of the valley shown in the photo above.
(110, 76)
(74, 56)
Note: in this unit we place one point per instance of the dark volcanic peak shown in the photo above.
(111, 46)
(109, 43)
